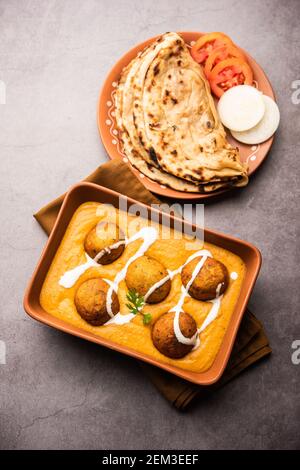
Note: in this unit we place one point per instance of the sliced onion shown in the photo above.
(240, 108)
(265, 128)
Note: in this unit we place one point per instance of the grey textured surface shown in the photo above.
(57, 391)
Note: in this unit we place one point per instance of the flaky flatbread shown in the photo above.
(168, 123)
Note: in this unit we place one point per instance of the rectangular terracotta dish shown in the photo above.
(84, 192)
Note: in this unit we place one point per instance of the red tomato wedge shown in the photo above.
(205, 45)
(229, 73)
(222, 53)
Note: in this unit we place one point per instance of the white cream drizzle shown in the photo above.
(177, 309)
(212, 315)
(184, 293)
(69, 278)
(120, 319)
(171, 274)
(112, 288)
(157, 285)
(149, 236)
(108, 249)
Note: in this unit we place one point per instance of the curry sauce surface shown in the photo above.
(172, 253)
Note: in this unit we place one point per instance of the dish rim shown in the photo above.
(33, 308)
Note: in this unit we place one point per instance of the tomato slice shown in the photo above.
(229, 73)
(221, 53)
(206, 44)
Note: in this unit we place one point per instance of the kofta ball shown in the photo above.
(101, 238)
(143, 273)
(164, 338)
(205, 285)
(90, 301)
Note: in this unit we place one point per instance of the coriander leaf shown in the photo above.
(147, 318)
(136, 304)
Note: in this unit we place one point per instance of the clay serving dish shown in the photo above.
(253, 155)
(84, 192)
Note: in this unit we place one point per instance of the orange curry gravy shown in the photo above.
(172, 253)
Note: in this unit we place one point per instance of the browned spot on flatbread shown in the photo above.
(152, 155)
(154, 125)
(141, 139)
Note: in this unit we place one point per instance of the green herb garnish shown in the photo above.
(136, 303)
(147, 318)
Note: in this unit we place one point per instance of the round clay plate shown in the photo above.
(254, 155)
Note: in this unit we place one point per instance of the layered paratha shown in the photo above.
(168, 124)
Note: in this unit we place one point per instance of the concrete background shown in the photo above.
(57, 391)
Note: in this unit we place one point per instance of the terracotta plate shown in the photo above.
(84, 192)
(253, 155)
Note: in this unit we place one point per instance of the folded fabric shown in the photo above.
(251, 343)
